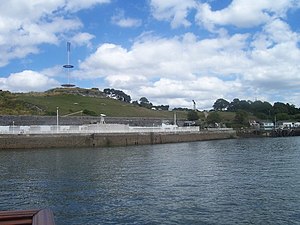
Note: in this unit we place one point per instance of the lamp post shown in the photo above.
(56, 119)
(13, 127)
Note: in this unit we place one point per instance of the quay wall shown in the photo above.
(106, 140)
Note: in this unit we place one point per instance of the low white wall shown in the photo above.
(92, 128)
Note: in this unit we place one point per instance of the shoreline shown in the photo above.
(35, 141)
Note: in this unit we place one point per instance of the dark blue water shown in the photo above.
(249, 181)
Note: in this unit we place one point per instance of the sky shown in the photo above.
(169, 51)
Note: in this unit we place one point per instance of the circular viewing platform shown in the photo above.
(68, 66)
(68, 85)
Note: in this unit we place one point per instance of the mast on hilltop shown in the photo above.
(68, 66)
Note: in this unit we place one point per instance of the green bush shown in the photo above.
(89, 112)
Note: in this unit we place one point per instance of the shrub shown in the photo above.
(89, 112)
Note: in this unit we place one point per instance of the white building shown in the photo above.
(267, 126)
(288, 125)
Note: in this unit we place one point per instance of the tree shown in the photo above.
(297, 117)
(192, 115)
(292, 109)
(162, 107)
(135, 103)
(144, 102)
(280, 107)
(282, 116)
(241, 117)
(244, 105)
(117, 94)
(213, 118)
(181, 109)
(220, 104)
(234, 105)
(259, 107)
(237, 104)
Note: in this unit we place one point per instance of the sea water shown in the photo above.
(240, 181)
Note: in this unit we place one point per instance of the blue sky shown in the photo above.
(170, 51)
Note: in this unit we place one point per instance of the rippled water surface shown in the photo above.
(248, 181)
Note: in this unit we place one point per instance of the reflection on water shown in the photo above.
(249, 181)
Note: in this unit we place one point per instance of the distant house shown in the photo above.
(266, 125)
(288, 125)
(254, 124)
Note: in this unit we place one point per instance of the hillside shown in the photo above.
(76, 101)
(93, 102)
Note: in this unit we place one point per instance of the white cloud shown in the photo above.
(243, 13)
(28, 10)
(54, 71)
(120, 20)
(239, 13)
(175, 11)
(164, 69)
(108, 59)
(76, 5)
(82, 39)
(152, 65)
(27, 81)
(279, 32)
(203, 90)
(19, 42)
(275, 57)
(24, 25)
(124, 81)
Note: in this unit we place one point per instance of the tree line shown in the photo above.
(260, 109)
(143, 101)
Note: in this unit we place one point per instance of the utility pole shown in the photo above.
(56, 119)
(175, 118)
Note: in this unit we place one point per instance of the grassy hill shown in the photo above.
(89, 101)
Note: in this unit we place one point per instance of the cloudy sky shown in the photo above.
(170, 51)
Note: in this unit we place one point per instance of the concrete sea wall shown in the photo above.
(105, 140)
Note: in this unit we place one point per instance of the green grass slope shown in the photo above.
(68, 104)
(70, 101)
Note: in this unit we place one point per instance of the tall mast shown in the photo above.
(68, 66)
